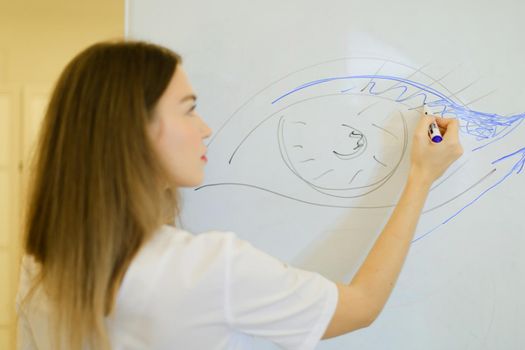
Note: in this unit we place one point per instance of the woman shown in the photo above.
(105, 269)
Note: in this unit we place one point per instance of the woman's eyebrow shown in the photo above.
(188, 97)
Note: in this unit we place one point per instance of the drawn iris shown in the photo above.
(357, 143)
(332, 152)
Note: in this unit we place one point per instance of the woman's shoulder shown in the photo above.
(174, 259)
(171, 238)
(172, 249)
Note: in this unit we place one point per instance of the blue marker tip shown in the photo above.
(437, 139)
(434, 133)
(433, 129)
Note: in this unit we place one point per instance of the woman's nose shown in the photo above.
(206, 130)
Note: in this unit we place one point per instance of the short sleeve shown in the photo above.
(25, 338)
(269, 299)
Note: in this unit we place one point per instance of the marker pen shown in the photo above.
(433, 129)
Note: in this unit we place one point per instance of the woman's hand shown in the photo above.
(430, 160)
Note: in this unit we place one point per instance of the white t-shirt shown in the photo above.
(206, 291)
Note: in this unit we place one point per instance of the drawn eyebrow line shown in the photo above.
(299, 122)
(323, 174)
(443, 76)
(346, 90)
(383, 164)
(367, 107)
(307, 160)
(353, 177)
(463, 89)
(298, 146)
(385, 130)
(479, 98)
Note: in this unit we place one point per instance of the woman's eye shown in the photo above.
(338, 134)
(192, 109)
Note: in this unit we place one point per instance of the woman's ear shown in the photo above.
(154, 127)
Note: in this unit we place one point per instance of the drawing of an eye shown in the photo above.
(337, 134)
(324, 141)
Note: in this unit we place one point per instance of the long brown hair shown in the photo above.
(97, 192)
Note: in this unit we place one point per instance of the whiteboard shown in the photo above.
(313, 105)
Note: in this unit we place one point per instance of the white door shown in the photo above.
(18, 132)
(9, 212)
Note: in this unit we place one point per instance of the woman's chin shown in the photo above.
(188, 183)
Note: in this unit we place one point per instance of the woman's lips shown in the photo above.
(204, 158)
